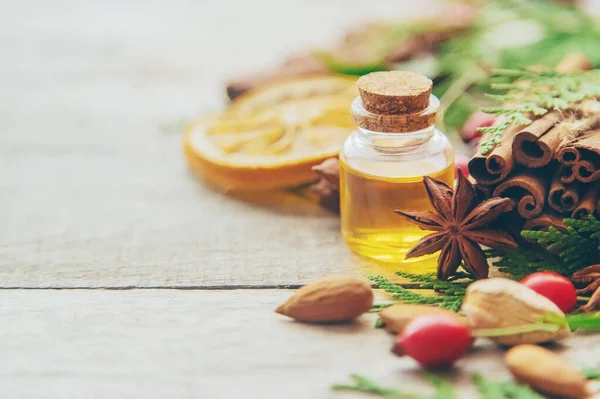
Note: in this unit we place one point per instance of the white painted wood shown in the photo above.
(200, 344)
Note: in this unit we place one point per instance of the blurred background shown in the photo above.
(95, 94)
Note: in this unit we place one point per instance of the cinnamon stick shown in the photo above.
(589, 141)
(588, 203)
(482, 192)
(563, 197)
(528, 188)
(545, 221)
(534, 146)
(568, 174)
(587, 172)
(566, 154)
(497, 164)
(587, 117)
(587, 168)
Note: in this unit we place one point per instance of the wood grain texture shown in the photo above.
(201, 344)
(94, 194)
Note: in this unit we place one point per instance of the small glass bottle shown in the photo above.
(383, 163)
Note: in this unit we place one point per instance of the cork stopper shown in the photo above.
(394, 92)
(400, 123)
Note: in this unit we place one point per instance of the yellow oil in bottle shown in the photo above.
(370, 226)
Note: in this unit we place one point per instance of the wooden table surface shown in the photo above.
(121, 275)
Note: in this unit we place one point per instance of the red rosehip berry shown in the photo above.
(555, 287)
(434, 341)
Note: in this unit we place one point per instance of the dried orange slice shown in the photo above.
(272, 137)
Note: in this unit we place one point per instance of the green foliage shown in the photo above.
(575, 321)
(553, 16)
(453, 291)
(550, 50)
(457, 112)
(464, 54)
(402, 293)
(344, 67)
(589, 226)
(443, 388)
(488, 389)
(430, 281)
(518, 263)
(462, 63)
(363, 384)
(584, 321)
(565, 253)
(578, 245)
(465, 60)
(535, 93)
(592, 373)
(501, 389)
(576, 248)
(380, 41)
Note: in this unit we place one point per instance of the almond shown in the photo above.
(546, 372)
(396, 317)
(333, 299)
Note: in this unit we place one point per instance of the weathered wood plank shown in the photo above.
(200, 344)
(94, 194)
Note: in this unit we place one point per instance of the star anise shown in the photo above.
(459, 226)
(590, 276)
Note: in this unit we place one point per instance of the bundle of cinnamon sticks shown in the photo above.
(551, 168)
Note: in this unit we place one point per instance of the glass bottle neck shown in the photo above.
(395, 142)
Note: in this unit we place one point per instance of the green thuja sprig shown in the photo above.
(363, 384)
(443, 388)
(577, 244)
(430, 281)
(564, 252)
(453, 292)
(590, 226)
(399, 292)
(518, 263)
(534, 94)
(488, 389)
